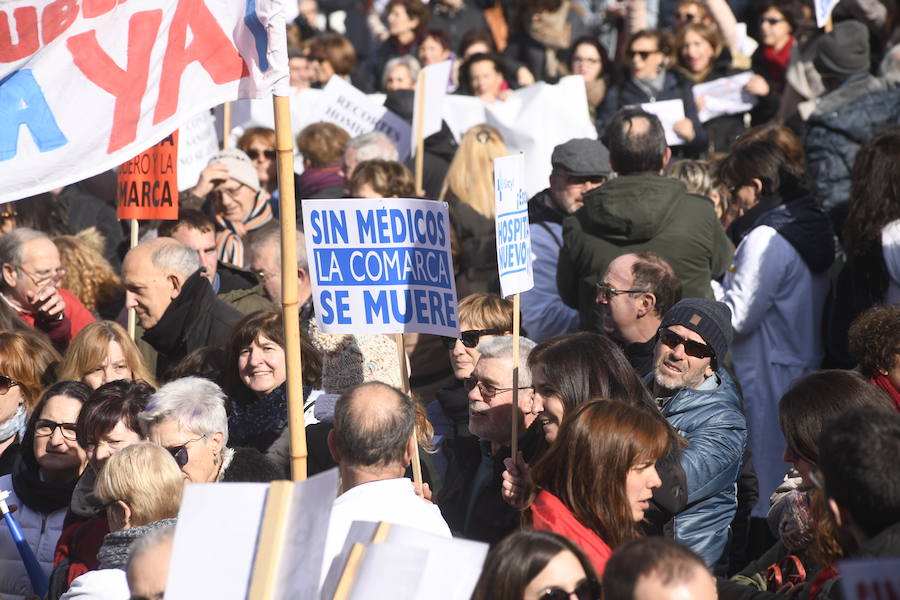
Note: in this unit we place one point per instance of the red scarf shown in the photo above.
(884, 383)
(548, 513)
(778, 61)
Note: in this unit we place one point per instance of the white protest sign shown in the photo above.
(724, 96)
(350, 109)
(197, 141)
(513, 233)
(823, 11)
(669, 112)
(870, 578)
(436, 77)
(381, 266)
(99, 82)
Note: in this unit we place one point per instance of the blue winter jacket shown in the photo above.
(714, 424)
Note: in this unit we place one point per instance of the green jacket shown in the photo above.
(632, 213)
(241, 290)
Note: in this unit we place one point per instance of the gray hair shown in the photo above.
(373, 437)
(372, 145)
(11, 244)
(148, 541)
(408, 61)
(176, 257)
(501, 347)
(197, 404)
(271, 233)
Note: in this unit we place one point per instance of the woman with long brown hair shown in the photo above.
(595, 482)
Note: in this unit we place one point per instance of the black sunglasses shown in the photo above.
(644, 54)
(691, 348)
(6, 383)
(254, 154)
(180, 453)
(470, 337)
(586, 590)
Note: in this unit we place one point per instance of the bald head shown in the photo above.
(373, 424)
(154, 274)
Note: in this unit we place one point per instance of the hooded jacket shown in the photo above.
(241, 290)
(776, 291)
(644, 212)
(713, 422)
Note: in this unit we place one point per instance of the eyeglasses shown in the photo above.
(253, 153)
(45, 427)
(605, 292)
(40, 280)
(644, 54)
(6, 383)
(263, 275)
(230, 192)
(691, 348)
(770, 20)
(586, 590)
(180, 453)
(487, 390)
(585, 59)
(470, 337)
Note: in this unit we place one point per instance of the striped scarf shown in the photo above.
(229, 244)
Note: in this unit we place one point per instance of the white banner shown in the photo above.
(513, 232)
(381, 266)
(669, 112)
(435, 89)
(723, 96)
(344, 105)
(87, 85)
(197, 141)
(823, 11)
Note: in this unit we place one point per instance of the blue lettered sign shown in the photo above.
(513, 234)
(381, 266)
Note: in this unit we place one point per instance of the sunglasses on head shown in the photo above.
(644, 54)
(691, 348)
(180, 453)
(6, 383)
(470, 337)
(586, 590)
(254, 154)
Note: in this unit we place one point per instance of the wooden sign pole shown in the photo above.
(132, 316)
(515, 379)
(354, 561)
(404, 382)
(226, 125)
(420, 138)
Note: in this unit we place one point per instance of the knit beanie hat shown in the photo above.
(844, 51)
(708, 318)
(240, 167)
(349, 360)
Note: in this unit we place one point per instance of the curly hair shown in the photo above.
(88, 274)
(874, 339)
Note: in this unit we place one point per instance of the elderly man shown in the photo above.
(234, 286)
(373, 442)
(640, 210)
(265, 262)
(470, 499)
(174, 303)
(701, 401)
(31, 275)
(579, 166)
(634, 294)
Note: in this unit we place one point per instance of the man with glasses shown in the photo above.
(470, 499)
(701, 401)
(32, 272)
(579, 166)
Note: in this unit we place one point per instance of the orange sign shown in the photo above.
(148, 183)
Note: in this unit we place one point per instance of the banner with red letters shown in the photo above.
(85, 85)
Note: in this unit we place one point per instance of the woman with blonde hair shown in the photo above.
(88, 274)
(469, 190)
(140, 487)
(103, 352)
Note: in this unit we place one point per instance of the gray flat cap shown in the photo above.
(582, 158)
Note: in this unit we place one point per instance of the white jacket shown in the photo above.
(42, 531)
(777, 304)
(105, 584)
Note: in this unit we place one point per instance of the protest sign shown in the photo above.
(669, 112)
(197, 142)
(724, 96)
(86, 86)
(349, 108)
(382, 266)
(823, 11)
(513, 232)
(148, 183)
(871, 578)
(436, 77)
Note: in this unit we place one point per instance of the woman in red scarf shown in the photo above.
(874, 340)
(596, 480)
(776, 36)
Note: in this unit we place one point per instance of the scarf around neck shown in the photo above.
(40, 496)
(316, 179)
(113, 554)
(884, 383)
(229, 244)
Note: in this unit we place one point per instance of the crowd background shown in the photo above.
(710, 373)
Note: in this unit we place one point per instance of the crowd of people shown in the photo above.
(708, 384)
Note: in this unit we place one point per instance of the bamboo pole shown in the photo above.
(420, 138)
(404, 382)
(354, 561)
(284, 145)
(271, 541)
(226, 125)
(132, 316)
(515, 379)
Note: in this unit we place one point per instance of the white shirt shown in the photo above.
(391, 500)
